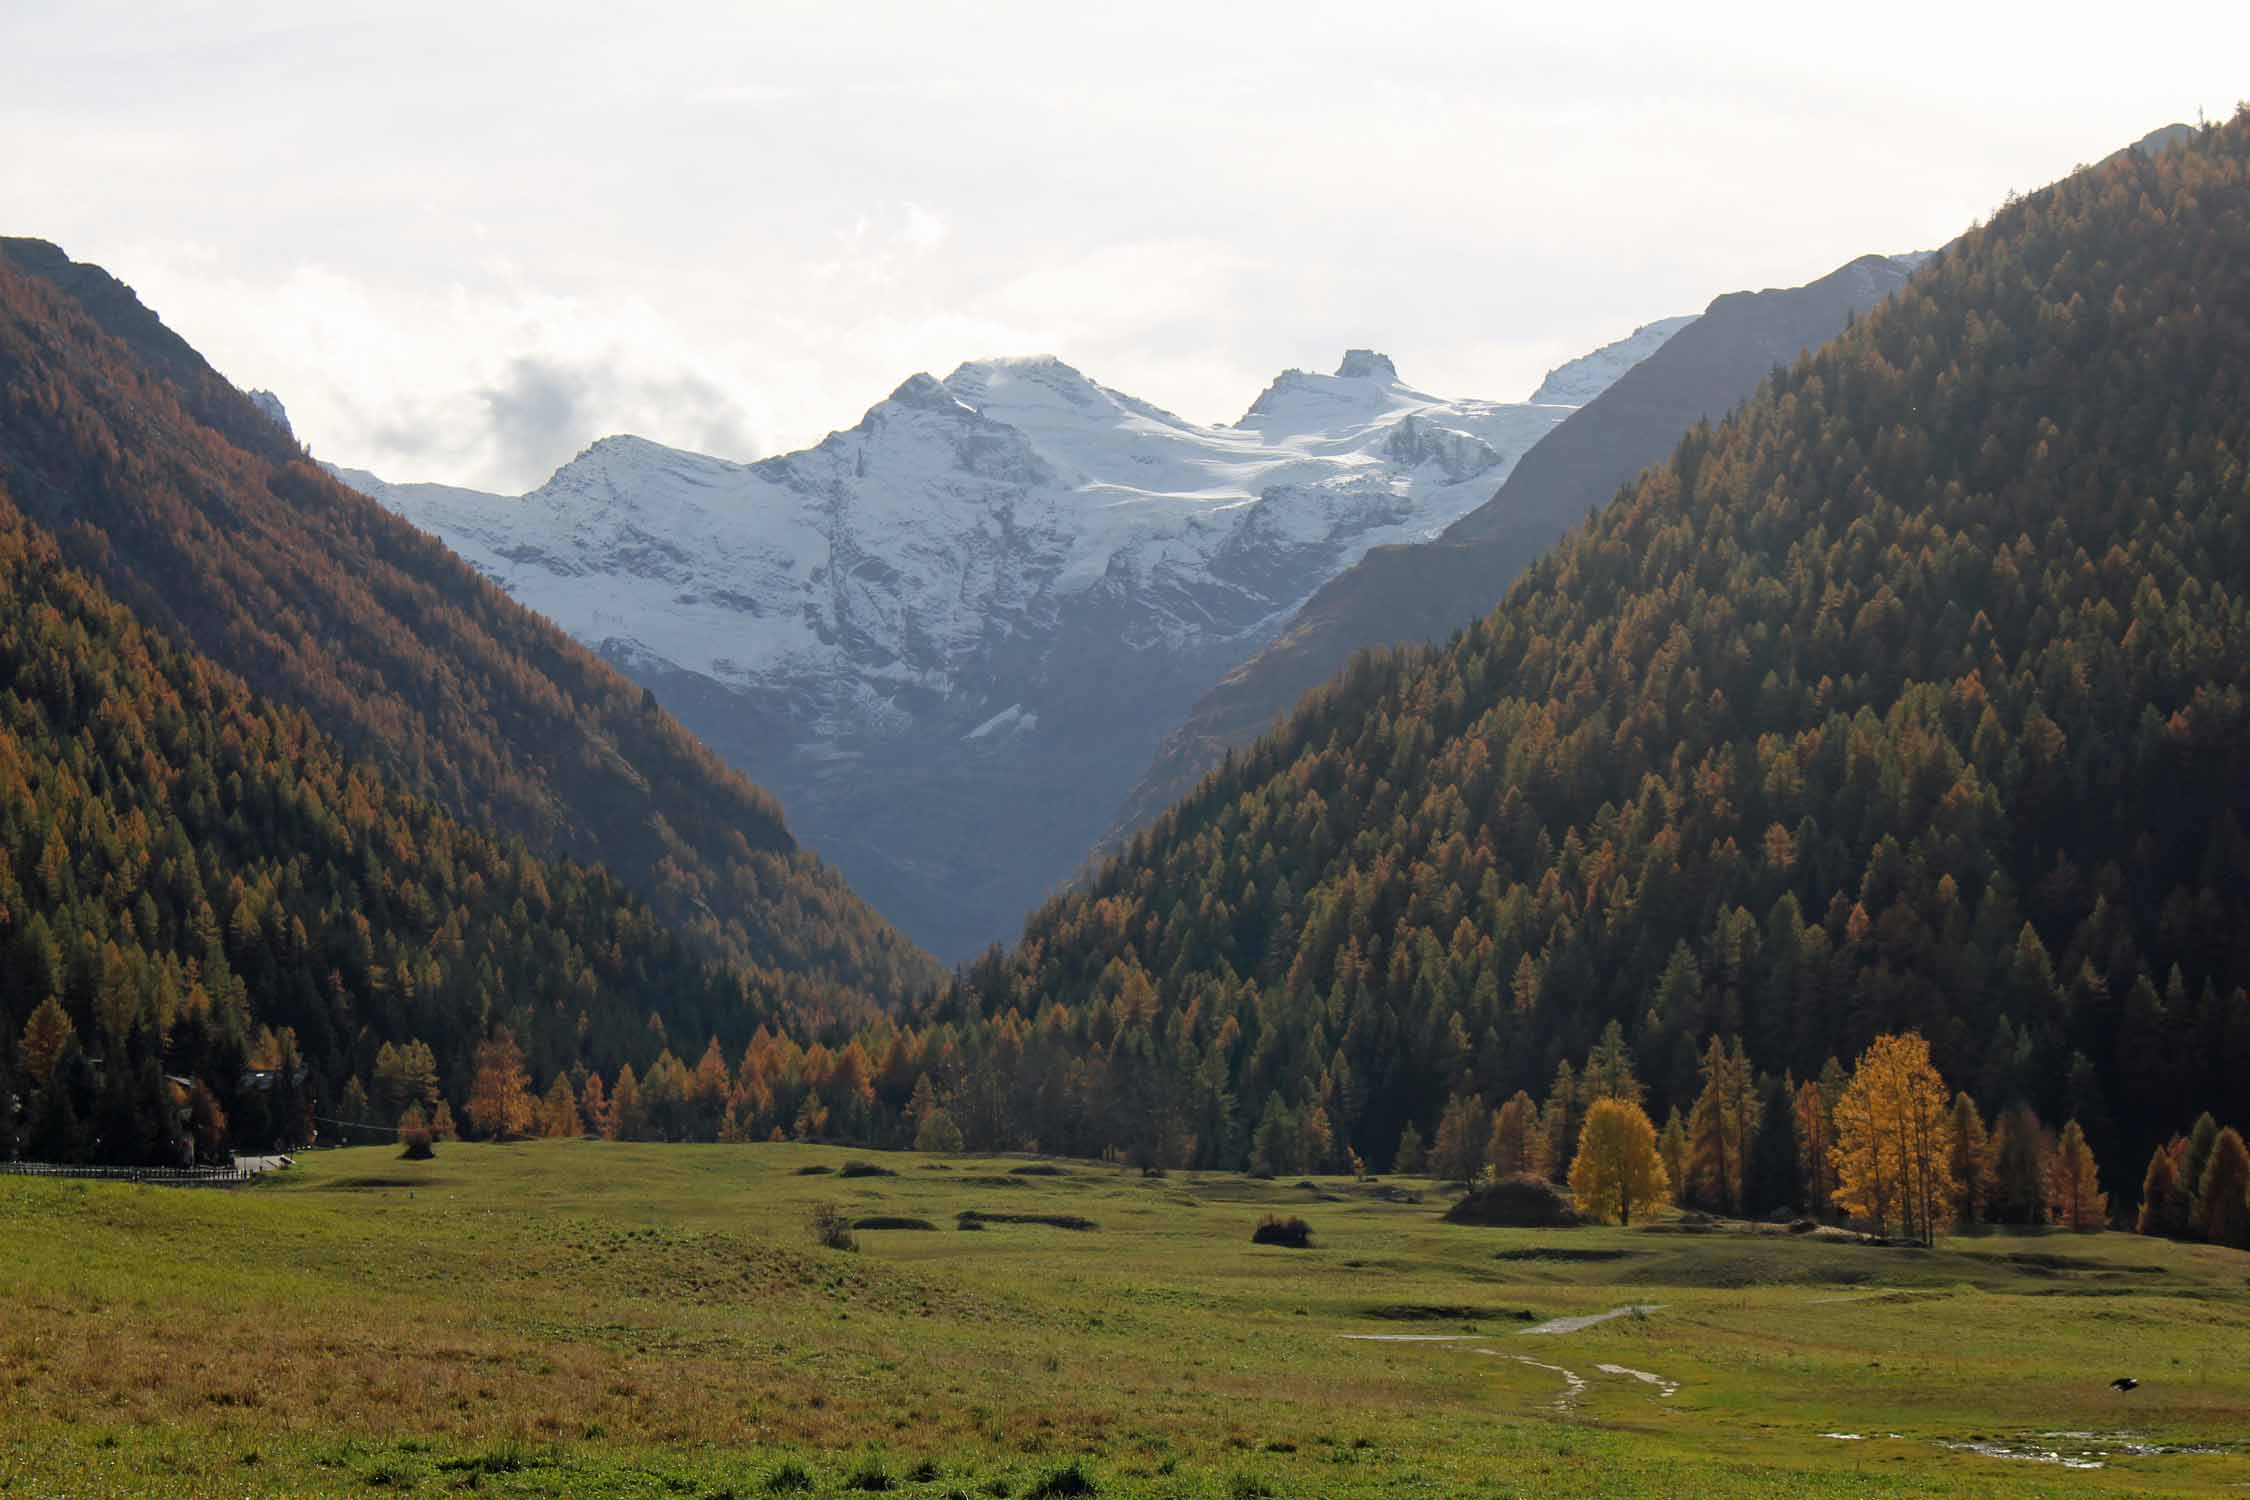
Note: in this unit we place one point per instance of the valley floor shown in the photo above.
(585, 1318)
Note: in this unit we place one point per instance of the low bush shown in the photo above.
(863, 1169)
(418, 1146)
(891, 1221)
(829, 1227)
(1070, 1479)
(1039, 1169)
(815, 1170)
(1273, 1229)
(1520, 1202)
(971, 1218)
(791, 1477)
(870, 1477)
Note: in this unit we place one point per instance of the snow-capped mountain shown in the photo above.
(1584, 378)
(950, 637)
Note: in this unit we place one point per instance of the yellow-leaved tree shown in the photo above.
(500, 1102)
(2074, 1183)
(1617, 1169)
(1893, 1155)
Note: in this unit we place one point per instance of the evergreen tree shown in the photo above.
(1773, 1178)
(1407, 1160)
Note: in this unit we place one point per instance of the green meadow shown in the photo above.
(585, 1318)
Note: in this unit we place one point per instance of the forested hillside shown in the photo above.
(1912, 696)
(1425, 591)
(196, 883)
(204, 519)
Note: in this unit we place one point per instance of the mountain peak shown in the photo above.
(1366, 364)
(270, 404)
(922, 392)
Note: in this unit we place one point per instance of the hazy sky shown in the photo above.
(462, 241)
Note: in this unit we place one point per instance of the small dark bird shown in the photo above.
(2123, 1383)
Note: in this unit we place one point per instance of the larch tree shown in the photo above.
(46, 1036)
(1772, 1177)
(1671, 1146)
(593, 1104)
(500, 1103)
(1617, 1169)
(937, 1133)
(2160, 1187)
(1892, 1165)
(2015, 1190)
(1816, 1141)
(1515, 1137)
(1609, 1071)
(1407, 1160)
(558, 1111)
(1464, 1130)
(2224, 1198)
(1559, 1120)
(1720, 1127)
(1967, 1147)
(2203, 1137)
(2074, 1188)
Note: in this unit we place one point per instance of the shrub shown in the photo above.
(1275, 1230)
(870, 1476)
(418, 1146)
(863, 1169)
(923, 1472)
(891, 1221)
(1039, 1169)
(1248, 1487)
(1070, 1479)
(1520, 1202)
(971, 1219)
(791, 1477)
(815, 1170)
(829, 1227)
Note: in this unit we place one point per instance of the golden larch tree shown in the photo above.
(1515, 1137)
(1893, 1140)
(2074, 1185)
(500, 1103)
(1617, 1169)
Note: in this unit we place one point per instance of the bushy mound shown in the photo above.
(1275, 1230)
(1521, 1202)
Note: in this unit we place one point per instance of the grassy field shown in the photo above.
(597, 1319)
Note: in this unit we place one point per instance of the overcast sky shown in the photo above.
(462, 241)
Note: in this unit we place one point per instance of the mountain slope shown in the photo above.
(1425, 591)
(950, 636)
(1916, 694)
(197, 511)
(200, 884)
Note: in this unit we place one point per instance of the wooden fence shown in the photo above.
(161, 1176)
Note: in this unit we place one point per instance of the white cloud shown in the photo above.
(461, 242)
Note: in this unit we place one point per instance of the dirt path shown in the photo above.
(1574, 1325)
(1663, 1387)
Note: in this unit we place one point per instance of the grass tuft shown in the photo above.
(789, 1478)
(1070, 1479)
